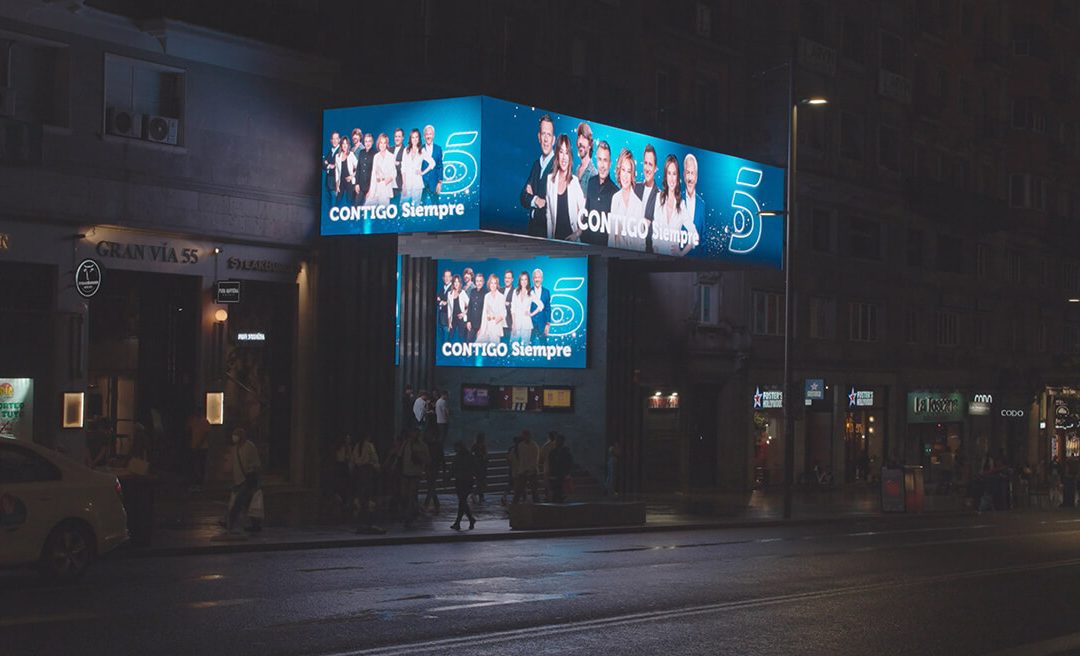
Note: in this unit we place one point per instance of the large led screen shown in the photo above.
(512, 313)
(560, 177)
(423, 167)
(407, 167)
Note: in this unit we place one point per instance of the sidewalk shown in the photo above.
(194, 533)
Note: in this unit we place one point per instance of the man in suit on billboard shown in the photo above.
(598, 195)
(534, 193)
(695, 204)
(365, 162)
(443, 301)
(508, 295)
(329, 164)
(647, 190)
(542, 319)
(398, 150)
(433, 176)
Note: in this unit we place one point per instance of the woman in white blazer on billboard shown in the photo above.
(383, 174)
(494, 317)
(523, 306)
(628, 225)
(565, 200)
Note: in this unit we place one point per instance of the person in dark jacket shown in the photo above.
(464, 471)
(560, 465)
(480, 453)
(534, 192)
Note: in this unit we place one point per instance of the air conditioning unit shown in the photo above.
(123, 123)
(7, 101)
(161, 129)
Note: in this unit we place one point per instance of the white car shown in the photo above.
(54, 512)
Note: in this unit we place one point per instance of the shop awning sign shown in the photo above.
(88, 278)
(934, 407)
(228, 291)
(980, 404)
(860, 398)
(815, 389)
(768, 399)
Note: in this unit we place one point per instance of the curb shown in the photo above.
(256, 547)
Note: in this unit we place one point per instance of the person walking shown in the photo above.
(391, 476)
(480, 454)
(542, 464)
(526, 466)
(247, 469)
(464, 471)
(442, 415)
(560, 467)
(414, 462)
(511, 461)
(366, 471)
(343, 465)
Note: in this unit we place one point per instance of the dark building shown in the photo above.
(937, 198)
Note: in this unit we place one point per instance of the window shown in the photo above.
(1015, 272)
(854, 45)
(892, 54)
(813, 126)
(821, 224)
(950, 253)
(851, 135)
(1070, 274)
(706, 93)
(812, 20)
(1027, 114)
(21, 465)
(665, 100)
(982, 260)
(864, 238)
(1070, 338)
(708, 304)
(914, 250)
(947, 333)
(862, 322)
(38, 79)
(889, 148)
(768, 313)
(979, 338)
(1027, 191)
(703, 20)
(1040, 337)
(911, 326)
(147, 89)
(822, 318)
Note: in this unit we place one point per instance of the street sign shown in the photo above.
(87, 278)
(228, 291)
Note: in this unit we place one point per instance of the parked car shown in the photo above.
(56, 513)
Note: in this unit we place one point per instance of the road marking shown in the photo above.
(1059, 645)
(492, 599)
(532, 633)
(921, 530)
(47, 619)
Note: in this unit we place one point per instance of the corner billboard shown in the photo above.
(424, 166)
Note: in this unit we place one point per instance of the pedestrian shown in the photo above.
(542, 464)
(560, 467)
(435, 463)
(414, 461)
(343, 467)
(464, 471)
(611, 466)
(365, 472)
(391, 475)
(442, 415)
(419, 410)
(511, 458)
(526, 466)
(480, 454)
(247, 469)
(408, 399)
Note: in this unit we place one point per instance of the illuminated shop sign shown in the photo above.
(255, 337)
(768, 399)
(17, 408)
(980, 404)
(477, 163)
(815, 389)
(512, 313)
(1013, 413)
(933, 407)
(860, 398)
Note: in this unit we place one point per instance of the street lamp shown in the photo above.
(789, 215)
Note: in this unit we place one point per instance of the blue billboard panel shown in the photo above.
(560, 177)
(512, 313)
(407, 167)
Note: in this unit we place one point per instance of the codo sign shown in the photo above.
(1012, 414)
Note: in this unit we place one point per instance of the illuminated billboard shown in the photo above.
(512, 313)
(424, 167)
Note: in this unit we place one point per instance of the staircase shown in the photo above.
(498, 480)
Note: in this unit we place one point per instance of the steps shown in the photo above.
(498, 479)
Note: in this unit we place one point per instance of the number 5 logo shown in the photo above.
(459, 165)
(746, 222)
(567, 312)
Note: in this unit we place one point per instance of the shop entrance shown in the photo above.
(941, 447)
(142, 365)
(660, 439)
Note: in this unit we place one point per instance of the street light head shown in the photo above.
(1074, 300)
(771, 213)
(816, 100)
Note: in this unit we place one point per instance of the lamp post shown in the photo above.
(789, 218)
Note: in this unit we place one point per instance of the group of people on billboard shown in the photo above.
(592, 203)
(474, 307)
(366, 170)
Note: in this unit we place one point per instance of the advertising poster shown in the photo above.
(17, 408)
(424, 167)
(512, 313)
(407, 167)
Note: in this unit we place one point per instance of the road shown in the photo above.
(992, 584)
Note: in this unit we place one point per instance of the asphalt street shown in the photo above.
(991, 584)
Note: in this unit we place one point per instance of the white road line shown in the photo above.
(1059, 645)
(921, 530)
(532, 633)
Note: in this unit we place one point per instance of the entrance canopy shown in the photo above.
(481, 164)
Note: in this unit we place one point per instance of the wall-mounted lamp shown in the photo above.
(215, 408)
(221, 315)
(73, 409)
(217, 251)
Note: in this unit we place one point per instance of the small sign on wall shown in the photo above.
(227, 291)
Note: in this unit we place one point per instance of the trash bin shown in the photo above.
(892, 490)
(913, 488)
